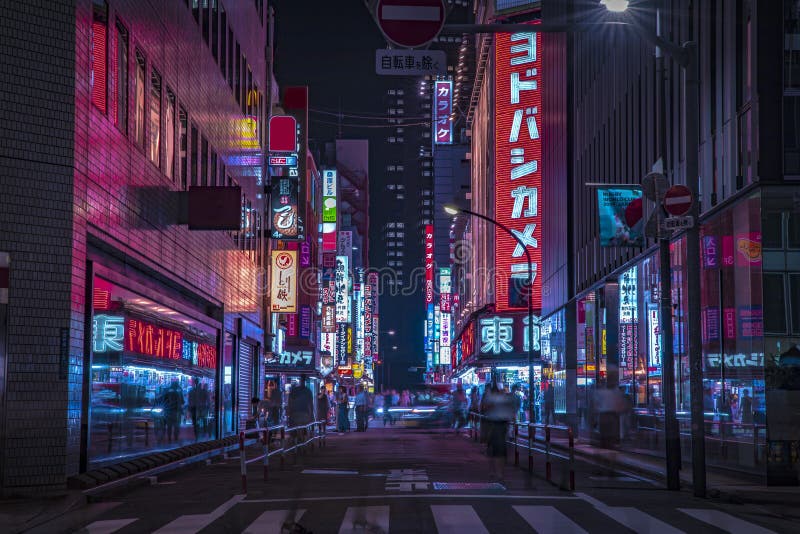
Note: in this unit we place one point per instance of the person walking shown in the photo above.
(388, 400)
(362, 409)
(323, 405)
(194, 401)
(459, 405)
(300, 408)
(499, 412)
(342, 410)
(173, 405)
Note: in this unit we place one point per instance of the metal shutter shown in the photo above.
(245, 379)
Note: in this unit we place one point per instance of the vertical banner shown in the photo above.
(329, 209)
(342, 290)
(327, 343)
(628, 317)
(283, 283)
(344, 245)
(305, 322)
(619, 211)
(518, 151)
(443, 102)
(429, 264)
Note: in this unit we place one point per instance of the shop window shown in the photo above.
(169, 135)
(774, 303)
(193, 157)
(138, 103)
(155, 118)
(183, 139)
(99, 55)
(121, 71)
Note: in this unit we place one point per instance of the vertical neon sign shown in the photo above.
(518, 151)
(443, 102)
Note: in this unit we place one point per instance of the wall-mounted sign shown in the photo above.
(429, 264)
(344, 245)
(305, 254)
(328, 322)
(285, 217)
(297, 359)
(653, 336)
(282, 161)
(329, 196)
(327, 343)
(749, 248)
(518, 150)
(342, 290)
(752, 360)
(620, 214)
(443, 109)
(506, 335)
(283, 283)
(282, 133)
(341, 345)
(305, 322)
(710, 252)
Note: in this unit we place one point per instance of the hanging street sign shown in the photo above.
(410, 23)
(678, 200)
(410, 62)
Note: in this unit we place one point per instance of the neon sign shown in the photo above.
(518, 150)
(108, 333)
(443, 100)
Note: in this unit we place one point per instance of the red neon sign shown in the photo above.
(429, 264)
(151, 340)
(518, 154)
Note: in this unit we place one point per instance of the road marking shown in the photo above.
(365, 519)
(632, 518)
(457, 519)
(187, 524)
(548, 520)
(407, 480)
(108, 526)
(614, 479)
(726, 522)
(421, 496)
(272, 521)
(327, 472)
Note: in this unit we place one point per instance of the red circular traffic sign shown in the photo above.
(678, 200)
(410, 23)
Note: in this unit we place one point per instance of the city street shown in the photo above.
(407, 480)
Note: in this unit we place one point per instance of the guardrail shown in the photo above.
(314, 431)
(475, 420)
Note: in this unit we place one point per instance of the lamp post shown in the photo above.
(455, 210)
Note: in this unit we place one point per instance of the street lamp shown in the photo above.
(455, 210)
(618, 6)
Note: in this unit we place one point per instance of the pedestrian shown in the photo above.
(388, 399)
(173, 405)
(499, 412)
(342, 410)
(300, 408)
(459, 404)
(746, 408)
(274, 402)
(482, 406)
(194, 401)
(549, 405)
(323, 405)
(362, 407)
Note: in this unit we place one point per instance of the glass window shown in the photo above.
(793, 233)
(791, 47)
(774, 303)
(213, 168)
(99, 57)
(155, 118)
(237, 75)
(223, 41)
(138, 104)
(206, 24)
(169, 135)
(196, 10)
(193, 156)
(791, 134)
(772, 228)
(183, 122)
(230, 58)
(214, 29)
(121, 102)
(204, 161)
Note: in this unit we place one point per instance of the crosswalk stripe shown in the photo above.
(190, 524)
(365, 519)
(638, 521)
(457, 519)
(108, 526)
(272, 521)
(548, 520)
(726, 522)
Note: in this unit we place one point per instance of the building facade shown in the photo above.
(117, 315)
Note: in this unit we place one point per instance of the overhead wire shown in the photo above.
(351, 125)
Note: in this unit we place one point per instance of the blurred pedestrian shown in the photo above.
(203, 407)
(388, 400)
(194, 396)
(173, 405)
(300, 405)
(459, 405)
(362, 409)
(342, 410)
(499, 412)
(323, 405)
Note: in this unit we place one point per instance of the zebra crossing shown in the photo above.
(583, 515)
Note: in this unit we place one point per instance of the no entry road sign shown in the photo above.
(410, 23)
(678, 200)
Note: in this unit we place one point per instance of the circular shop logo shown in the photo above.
(284, 260)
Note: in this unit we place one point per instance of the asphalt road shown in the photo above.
(409, 480)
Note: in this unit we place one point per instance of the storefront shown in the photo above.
(153, 373)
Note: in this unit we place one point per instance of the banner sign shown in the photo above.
(299, 360)
(628, 316)
(429, 264)
(285, 218)
(328, 323)
(344, 245)
(620, 213)
(654, 336)
(327, 343)
(291, 324)
(342, 290)
(305, 254)
(443, 102)
(505, 336)
(305, 322)
(283, 283)
(518, 151)
(341, 345)
(329, 196)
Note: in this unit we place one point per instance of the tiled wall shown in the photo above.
(66, 171)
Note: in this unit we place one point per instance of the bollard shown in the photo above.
(571, 461)
(516, 443)
(547, 452)
(242, 462)
(283, 445)
(265, 435)
(531, 441)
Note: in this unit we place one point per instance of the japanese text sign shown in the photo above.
(443, 108)
(283, 283)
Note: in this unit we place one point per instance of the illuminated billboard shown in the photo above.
(518, 152)
(620, 217)
(443, 102)
(429, 264)
(342, 290)
(283, 283)
(329, 196)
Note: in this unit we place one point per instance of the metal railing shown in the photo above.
(529, 444)
(279, 440)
